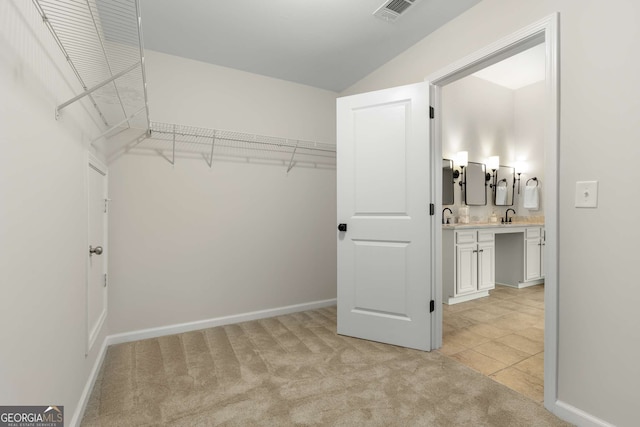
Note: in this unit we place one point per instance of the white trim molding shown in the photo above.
(217, 321)
(544, 31)
(76, 419)
(577, 416)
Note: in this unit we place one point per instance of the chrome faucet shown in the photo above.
(506, 218)
(447, 221)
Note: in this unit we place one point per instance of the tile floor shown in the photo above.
(501, 336)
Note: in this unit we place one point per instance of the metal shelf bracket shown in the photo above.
(292, 157)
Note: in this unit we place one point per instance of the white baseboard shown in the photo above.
(521, 285)
(212, 323)
(465, 298)
(88, 387)
(577, 416)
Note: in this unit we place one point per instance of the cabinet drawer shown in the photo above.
(533, 233)
(485, 236)
(465, 237)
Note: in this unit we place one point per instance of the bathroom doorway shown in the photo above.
(521, 321)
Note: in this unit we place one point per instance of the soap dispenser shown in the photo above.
(493, 218)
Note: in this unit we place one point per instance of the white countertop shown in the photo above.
(459, 226)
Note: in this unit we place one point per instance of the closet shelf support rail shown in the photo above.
(96, 87)
(292, 156)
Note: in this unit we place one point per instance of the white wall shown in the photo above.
(599, 297)
(190, 242)
(199, 94)
(43, 219)
(486, 119)
(478, 117)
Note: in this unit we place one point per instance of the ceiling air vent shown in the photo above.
(392, 9)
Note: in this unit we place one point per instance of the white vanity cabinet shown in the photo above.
(534, 253)
(477, 257)
(468, 269)
(519, 256)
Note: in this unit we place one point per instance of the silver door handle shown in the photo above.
(97, 250)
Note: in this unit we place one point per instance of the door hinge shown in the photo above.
(432, 113)
(432, 209)
(105, 280)
(432, 306)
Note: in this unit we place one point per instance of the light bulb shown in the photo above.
(493, 162)
(462, 158)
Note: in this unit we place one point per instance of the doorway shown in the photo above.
(544, 32)
(96, 294)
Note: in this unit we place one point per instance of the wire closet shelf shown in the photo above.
(102, 43)
(209, 141)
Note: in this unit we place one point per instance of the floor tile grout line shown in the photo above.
(526, 314)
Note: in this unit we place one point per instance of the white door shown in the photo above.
(96, 250)
(383, 188)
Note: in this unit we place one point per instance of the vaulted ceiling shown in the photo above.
(329, 44)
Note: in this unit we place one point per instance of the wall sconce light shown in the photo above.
(520, 168)
(462, 160)
(493, 163)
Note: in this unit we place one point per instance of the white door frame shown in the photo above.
(95, 163)
(544, 31)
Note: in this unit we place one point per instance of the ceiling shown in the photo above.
(517, 71)
(329, 44)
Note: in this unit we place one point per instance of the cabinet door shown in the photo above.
(533, 259)
(466, 268)
(486, 266)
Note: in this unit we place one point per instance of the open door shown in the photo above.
(383, 197)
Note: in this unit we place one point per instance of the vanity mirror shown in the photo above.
(505, 184)
(447, 182)
(475, 192)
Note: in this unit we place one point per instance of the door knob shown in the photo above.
(97, 250)
(342, 227)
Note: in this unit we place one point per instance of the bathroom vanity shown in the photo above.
(477, 256)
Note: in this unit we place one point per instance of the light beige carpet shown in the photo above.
(295, 370)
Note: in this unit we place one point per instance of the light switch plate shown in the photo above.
(587, 194)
